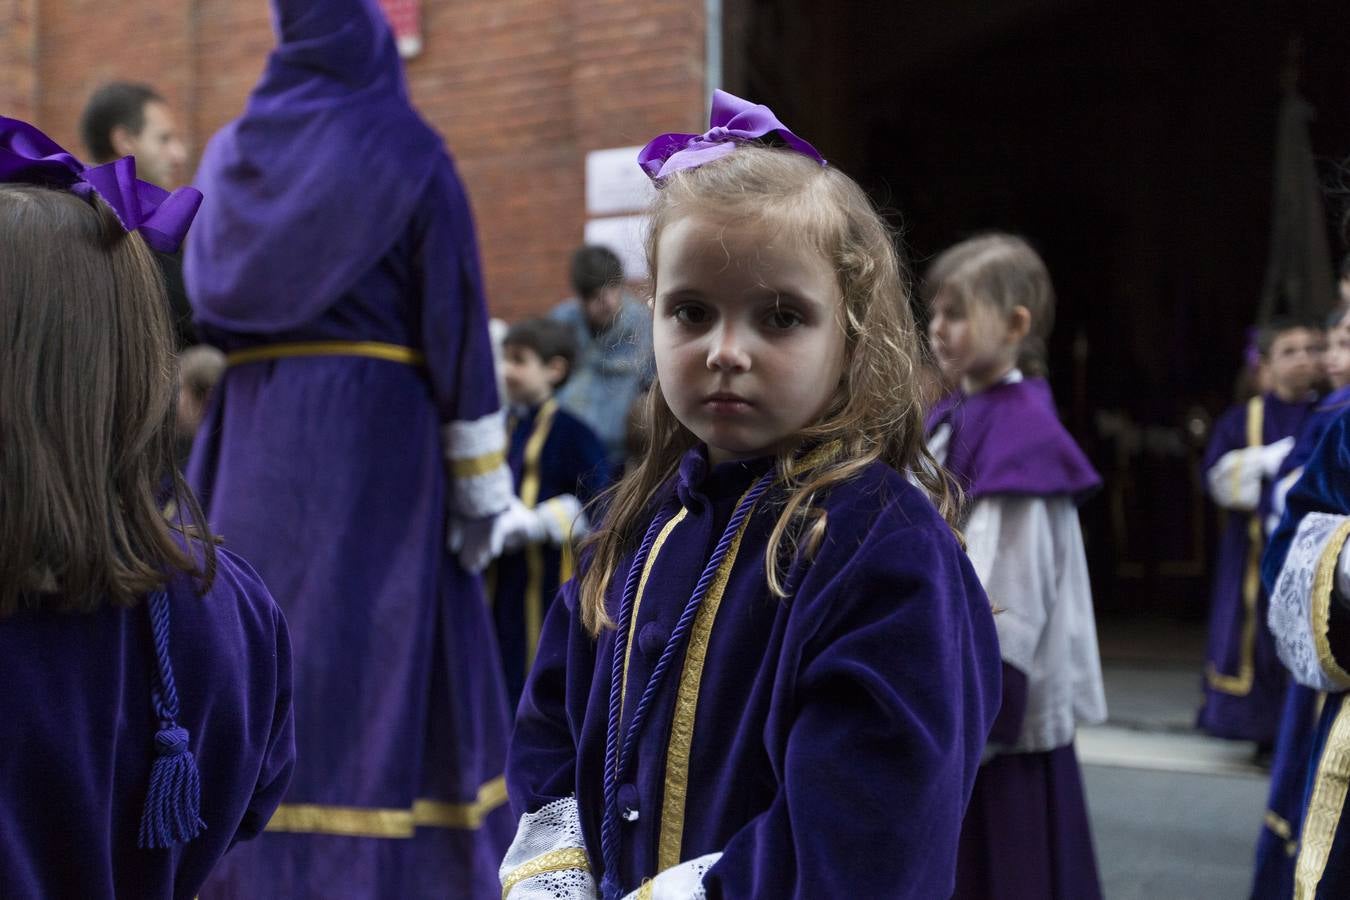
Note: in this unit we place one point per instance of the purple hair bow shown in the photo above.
(28, 156)
(733, 120)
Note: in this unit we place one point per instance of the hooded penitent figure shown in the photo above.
(335, 263)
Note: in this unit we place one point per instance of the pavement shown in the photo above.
(1175, 813)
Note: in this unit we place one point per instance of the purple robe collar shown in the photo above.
(1337, 399)
(319, 177)
(1008, 439)
(698, 481)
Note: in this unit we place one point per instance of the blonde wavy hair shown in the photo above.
(876, 411)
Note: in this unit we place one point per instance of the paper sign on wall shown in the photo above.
(623, 235)
(614, 183)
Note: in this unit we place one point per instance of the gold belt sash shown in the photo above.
(395, 353)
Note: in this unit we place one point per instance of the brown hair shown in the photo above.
(86, 390)
(547, 339)
(1002, 271)
(875, 412)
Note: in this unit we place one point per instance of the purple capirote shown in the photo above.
(329, 138)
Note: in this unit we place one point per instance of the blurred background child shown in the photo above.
(558, 465)
(1026, 833)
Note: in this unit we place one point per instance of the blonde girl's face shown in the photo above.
(973, 343)
(747, 333)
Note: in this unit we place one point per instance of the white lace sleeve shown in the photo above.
(1235, 480)
(682, 882)
(476, 454)
(547, 860)
(1300, 605)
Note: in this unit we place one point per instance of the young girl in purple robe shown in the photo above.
(776, 670)
(1026, 834)
(146, 701)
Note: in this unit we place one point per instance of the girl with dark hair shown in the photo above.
(775, 671)
(146, 673)
(1026, 834)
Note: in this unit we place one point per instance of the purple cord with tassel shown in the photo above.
(172, 813)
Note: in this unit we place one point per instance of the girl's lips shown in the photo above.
(727, 403)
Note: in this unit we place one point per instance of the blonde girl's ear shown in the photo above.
(1019, 324)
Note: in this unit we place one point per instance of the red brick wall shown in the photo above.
(521, 90)
(18, 81)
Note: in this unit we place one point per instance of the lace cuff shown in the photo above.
(682, 882)
(476, 454)
(1300, 605)
(547, 860)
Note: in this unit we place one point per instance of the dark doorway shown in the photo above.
(1133, 144)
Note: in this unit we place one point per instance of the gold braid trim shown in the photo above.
(1324, 583)
(1324, 807)
(1240, 685)
(376, 822)
(637, 599)
(671, 840)
(554, 861)
(369, 349)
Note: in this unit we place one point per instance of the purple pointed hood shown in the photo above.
(316, 180)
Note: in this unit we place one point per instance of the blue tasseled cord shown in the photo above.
(617, 754)
(173, 801)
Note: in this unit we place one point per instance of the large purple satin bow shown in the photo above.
(733, 120)
(28, 156)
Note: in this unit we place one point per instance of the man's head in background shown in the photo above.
(125, 119)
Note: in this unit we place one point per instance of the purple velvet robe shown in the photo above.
(833, 737)
(337, 216)
(328, 473)
(1244, 681)
(79, 738)
(1309, 778)
(1026, 835)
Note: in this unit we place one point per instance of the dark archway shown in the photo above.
(1133, 145)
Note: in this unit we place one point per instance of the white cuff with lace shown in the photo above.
(547, 860)
(1300, 604)
(476, 455)
(682, 882)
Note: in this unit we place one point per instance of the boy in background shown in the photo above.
(558, 464)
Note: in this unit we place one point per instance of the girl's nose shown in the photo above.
(728, 352)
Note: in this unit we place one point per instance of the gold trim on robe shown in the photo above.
(534, 553)
(1240, 685)
(1324, 583)
(660, 542)
(671, 839)
(370, 349)
(376, 822)
(1324, 807)
(554, 861)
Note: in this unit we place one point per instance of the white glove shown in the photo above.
(478, 542)
(1235, 480)
(564, 519)
(555, 521)
(1272, 456)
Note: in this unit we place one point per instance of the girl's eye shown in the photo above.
(690, 314)
(783, 319)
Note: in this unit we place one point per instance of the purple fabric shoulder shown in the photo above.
(1008, 440)
(312, 185)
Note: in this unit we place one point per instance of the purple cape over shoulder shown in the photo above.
(328, 136)
(1007, 439)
